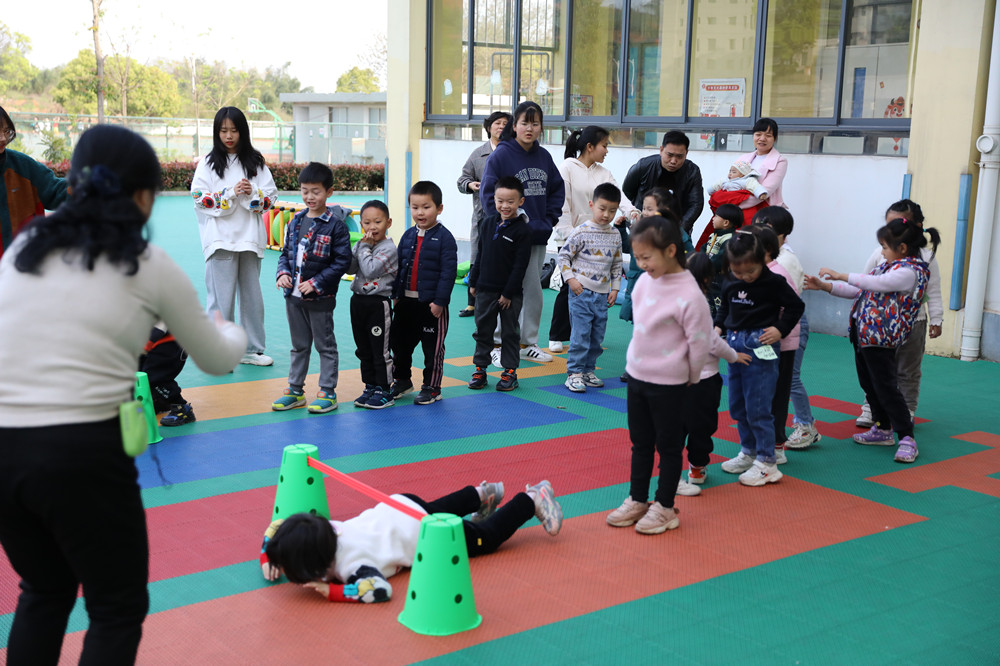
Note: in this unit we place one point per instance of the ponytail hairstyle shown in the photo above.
(529, 111)
(664, 198)
(767, 238)
(578, 140)
(248, 156)
(100, 217)
(909, 209)
(660, 231)
(904, 231)
(701, 268)
(744, 246)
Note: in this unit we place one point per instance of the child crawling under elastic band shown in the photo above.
(351, 560)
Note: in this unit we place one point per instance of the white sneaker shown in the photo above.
(556, 346)
(257, 359)
(575, 384)
(760, 474)
(865, 419)
(738, 465)
(687, 489)
(590, 379)
(804, 435)
(495, 358)
(533, 353)
(779, 456)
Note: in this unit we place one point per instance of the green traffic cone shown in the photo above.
(300, 487)
(145, 396)
(439, 600)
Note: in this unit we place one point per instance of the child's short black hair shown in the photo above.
(608, 192)
(303, 547)
(910, 209)
(732, 214)
(427, 188)
(701, 268)
(376, 204)
(744, 246)
(316, 173)
(777, 218)
(661, 233)
(664, 198)
(767, 238)
(510, 183)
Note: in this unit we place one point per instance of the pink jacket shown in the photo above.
(791, 341)
(718, 350)
(772, 170)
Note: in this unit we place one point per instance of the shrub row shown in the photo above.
(346, 177)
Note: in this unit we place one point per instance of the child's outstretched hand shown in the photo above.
(271, 572)
(319, 586)
(743, 359)
(813, 282)
(831, 274)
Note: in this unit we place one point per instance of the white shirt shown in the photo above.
(231, 225)
(380, 537)
(580, 181)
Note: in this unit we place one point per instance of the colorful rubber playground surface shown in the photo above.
(850, 559)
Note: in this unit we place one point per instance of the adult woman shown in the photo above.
(768, 162)
(582, 170)
(90, 287)
(29, 187)
(469, 181)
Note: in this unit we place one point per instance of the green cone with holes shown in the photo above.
(300, 487)
(439, 601)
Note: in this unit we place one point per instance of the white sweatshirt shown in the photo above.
(230, 221)
(580, 182)
(380, 537)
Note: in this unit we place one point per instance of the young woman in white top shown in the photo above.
(79, 292)
(231, 188)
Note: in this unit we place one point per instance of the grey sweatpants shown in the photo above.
(309, 324)
(228, 274)
(531, 304)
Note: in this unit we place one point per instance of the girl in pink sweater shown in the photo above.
(669, 348)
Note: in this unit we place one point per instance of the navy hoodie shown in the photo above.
(544, 191)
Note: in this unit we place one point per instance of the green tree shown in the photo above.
(134, 89)
(16, 73)
(77, 88)
(358, 80)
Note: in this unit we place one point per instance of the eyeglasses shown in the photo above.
(8, 135)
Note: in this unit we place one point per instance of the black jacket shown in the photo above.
(687, 189)
(503, 257)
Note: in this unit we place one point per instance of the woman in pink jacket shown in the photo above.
(768, 162)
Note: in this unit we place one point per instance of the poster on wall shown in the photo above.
(581, 105)
(721, 98)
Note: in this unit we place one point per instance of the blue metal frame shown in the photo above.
(961, 238)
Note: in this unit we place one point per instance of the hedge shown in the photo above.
(346, 177)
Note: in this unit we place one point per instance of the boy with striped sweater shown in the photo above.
(591, 265)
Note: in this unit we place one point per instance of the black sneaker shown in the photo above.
(379, 399)
(400, 387)
(427, 396)
(467, 312)
(508, 381)
(362, 400)
(179, 415)
(478, 380)
(624, 378)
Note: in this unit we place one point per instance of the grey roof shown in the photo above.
(340, 98)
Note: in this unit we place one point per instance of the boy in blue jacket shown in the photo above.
(316, 254)
(428, 261)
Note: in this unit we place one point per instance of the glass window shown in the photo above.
(800, 58)
(543, 54)
(722, 76)
(338, 121)
(492, 57)
(654, 83)
(594, 70)
(877, 59)
(449, 57)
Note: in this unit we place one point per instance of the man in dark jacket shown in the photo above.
(670, 170)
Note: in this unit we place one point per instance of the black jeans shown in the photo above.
(486, 536)
(654, 426)
(560, 328)
(701, 418)
(782, 393)
(876, 368)
(487, 311)
(71, 514)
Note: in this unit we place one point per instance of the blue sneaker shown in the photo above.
(179, 415)
(362, 400)
(380, 399)
(289, 400)
(326, 401)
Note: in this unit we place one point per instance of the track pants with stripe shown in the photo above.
(371, 318)
(413, 323)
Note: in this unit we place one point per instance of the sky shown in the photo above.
(320, 38)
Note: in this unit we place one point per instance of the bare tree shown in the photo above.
(121, 73)
(96, 28)
(376, 58)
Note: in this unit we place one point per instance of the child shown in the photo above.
(428, 261)
(162, 360)
(316, 253)
(374, 264)
(886, 304)
(725, 221)
(350, 560)
(669, 348)
(741, 177)
(495, 280)
(789, 345)
(910, 354)
(758, 308)
(804, 432)
(701, 406)
(231, 187)
(591, 264)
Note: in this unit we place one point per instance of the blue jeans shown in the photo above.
(588, 315)
(800, 399)
(751, 390)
